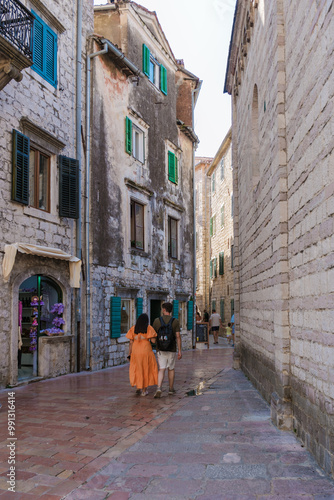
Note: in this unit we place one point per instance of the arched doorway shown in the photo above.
(37, 295)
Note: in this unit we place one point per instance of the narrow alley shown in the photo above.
(88, 436)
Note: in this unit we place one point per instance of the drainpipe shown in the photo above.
(88, 104)
(107, 46)
(78, 155)
(193, 91)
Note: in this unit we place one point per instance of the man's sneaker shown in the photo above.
(157, 393)
(171, 391)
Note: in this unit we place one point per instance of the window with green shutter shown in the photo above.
(146, 60)
(173, 175)
(221, 263)
(115, 317)
(163, 79)
(68, 187)
(175, 312)
(128, 135)
(20, 168)
(215, 267)
(222, 310)
(211, 226)
(139, 306)
(211, 269)
(232, 256)
(44, 51)
(190, 314)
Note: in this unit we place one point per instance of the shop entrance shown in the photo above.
(37, 295)
(155, 311)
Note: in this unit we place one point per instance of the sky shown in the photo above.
(199, 32)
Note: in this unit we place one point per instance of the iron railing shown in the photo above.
(16, 26)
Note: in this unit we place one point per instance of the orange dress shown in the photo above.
(143, 366)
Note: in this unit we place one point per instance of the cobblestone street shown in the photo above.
(88, 436)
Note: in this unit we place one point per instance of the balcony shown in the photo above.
(16, 39)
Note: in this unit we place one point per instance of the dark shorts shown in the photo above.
(214, 328)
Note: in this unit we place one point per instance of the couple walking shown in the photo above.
(165, 333)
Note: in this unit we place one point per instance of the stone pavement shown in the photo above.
(88, 436)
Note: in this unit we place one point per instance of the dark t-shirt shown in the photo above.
(175, 327)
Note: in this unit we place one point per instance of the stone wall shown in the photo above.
(282, 88)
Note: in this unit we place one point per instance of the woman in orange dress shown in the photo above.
(143, 366)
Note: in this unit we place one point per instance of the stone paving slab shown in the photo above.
(87, 436)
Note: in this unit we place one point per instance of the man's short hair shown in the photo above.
(167, 306)
(213, 310)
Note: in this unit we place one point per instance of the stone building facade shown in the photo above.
(220, 232)
(202, 203)
(141, 195)
(40, 150)
(280, 77)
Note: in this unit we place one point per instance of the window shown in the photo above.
(221, 263)
(222, 216)
(31, 178)
(173, 175)
(213, 182)
(222, 169)
(222, 310)
(125, 316)
(137, 225)
(213, 225)
(213, 268)
(182, 314)
(213, 305)
(232, 256)
(134, 140)
(172, 238)
(155, 71)
(39, 180)
(44, 51)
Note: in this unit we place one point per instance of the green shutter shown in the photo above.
(176, 170)
(211, 269)
(163, 79)
(211, 226)
(20, 168)
(190, 314)
(146, 60)
(175, 312)
(115, 317)
(221, 263)
(68, 187)
(222, 310)
(215, 267)
(128, 135)
(171, 166)
(139, 306)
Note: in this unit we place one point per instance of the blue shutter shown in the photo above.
(175, 312)
(115, 317)
(44, 51)
(146, 60)
(20, 168)
(190, 314)
(128, 135)
(139, 306)
(163, 79)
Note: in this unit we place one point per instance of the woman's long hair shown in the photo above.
(141, 324)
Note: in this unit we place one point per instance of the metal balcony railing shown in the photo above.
(16, 26)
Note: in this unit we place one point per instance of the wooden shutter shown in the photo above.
(115, 317)
(163, 79)
(176, 170)
(128, 135)
(221, 263)
(190, 314)
(20, 168)
(222, 310)
(146, 60)
(51, 56)
(44, 51)
(68, 187)
(38, 46)
(211, 268)
(215, 267)
(175, 312)
(139, 306)
(211, 226)
(171, 166)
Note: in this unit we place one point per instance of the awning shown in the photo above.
(52, 253)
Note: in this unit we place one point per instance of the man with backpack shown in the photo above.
(168, 343)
